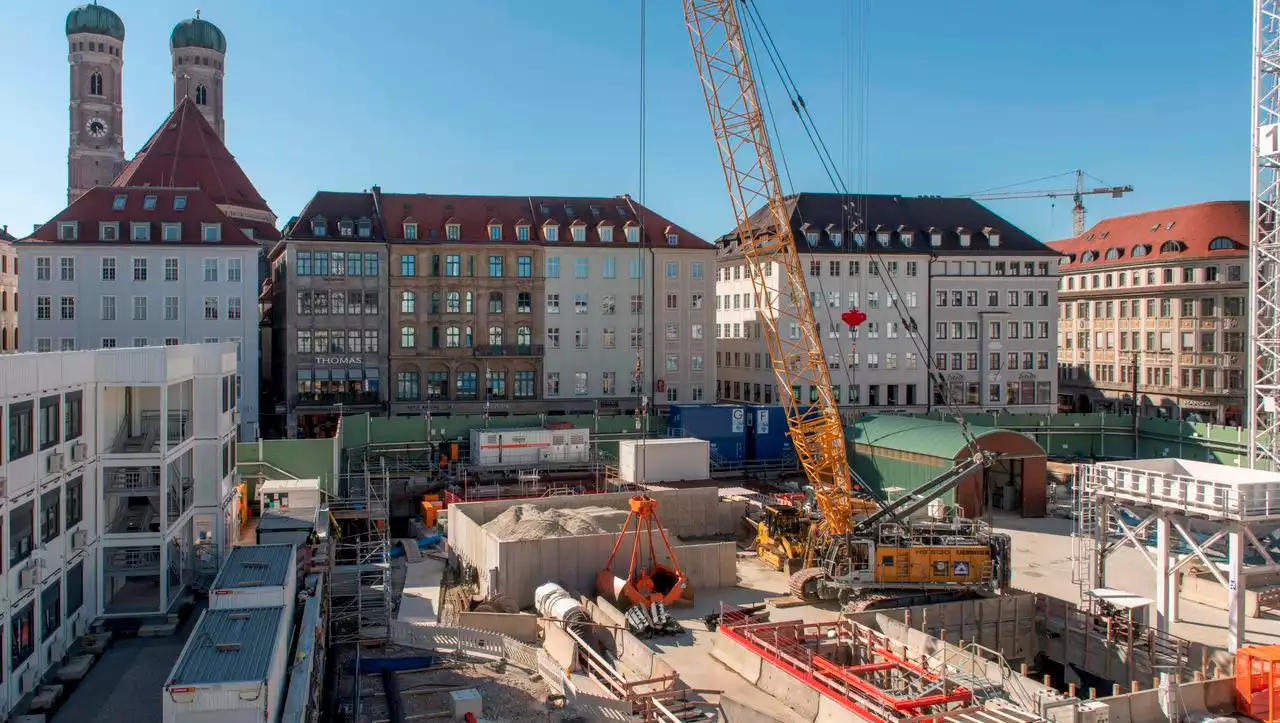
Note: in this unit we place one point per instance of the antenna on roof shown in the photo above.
(197, 11)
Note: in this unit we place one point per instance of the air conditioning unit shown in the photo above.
(53, 463)
(79, 451)
(28, 579)
(79, 539)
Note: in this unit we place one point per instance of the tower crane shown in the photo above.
(852, 556)
(1077, 195)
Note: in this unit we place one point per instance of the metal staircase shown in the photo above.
(1084, 552)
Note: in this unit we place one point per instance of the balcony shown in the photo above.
(132, 560)
(328, 399)
(490, 350)
(132, 481)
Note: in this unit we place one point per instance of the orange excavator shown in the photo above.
(650, 585)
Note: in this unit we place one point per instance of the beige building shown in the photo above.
(514, 304)
(945, 283)
(1156, 304)
(8, 292)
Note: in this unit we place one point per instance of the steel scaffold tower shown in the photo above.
(1264, 241)
(360, 585)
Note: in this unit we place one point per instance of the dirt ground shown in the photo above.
(509, 694)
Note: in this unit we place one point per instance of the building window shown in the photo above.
(211, 308)
(524, 267)
(407, 337)
(408, 302)
(579, 233)
(22, 636)
(495, 266)
(67, 307)
(551, 232)
(411, 231)
(407, 386)
(211, 232)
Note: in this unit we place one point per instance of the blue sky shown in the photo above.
(541, 97)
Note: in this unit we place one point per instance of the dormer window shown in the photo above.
(837, 238)
(578, 231)
(551, 231)
(1172, 247)
(522, 232)
(172, 232)
(906, 235)
(993, 236)
(673, 239)
(318, 227)
(606, 234)
(495, 232)
(117, 203)
(622, 211)
(1140, 250)
(544, 209)
(140, 231)
(633, 234)
(453, 231)
(811, 237)
(364, 228)
(411, 231)
(148, 203)
(346, 228)
(1088, 256)
(179, 203)
(109, 231)
(882, 237)
(211, 232)
(935, 237)
(964, 235)
(1113, 254)
(568, 210)
(860, 239)
(1222, 243)
(248, 232)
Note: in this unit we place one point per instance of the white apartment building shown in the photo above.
(143, 266)
(606, 306)
(942, 281)
(88, 437)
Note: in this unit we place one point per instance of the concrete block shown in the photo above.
(466, 701)
(736, 658)
(560, 647)
(733, 710)
(788, 690)
(829, 711)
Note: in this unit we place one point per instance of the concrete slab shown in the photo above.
(785, 688)
(76, 668)
(419, 600)
(46, 697)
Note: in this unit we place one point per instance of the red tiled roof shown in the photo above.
(97, 206)
(5, 235)
(1192, 229)
(473, 213)
(186, 152)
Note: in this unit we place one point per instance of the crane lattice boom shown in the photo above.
(769, 249)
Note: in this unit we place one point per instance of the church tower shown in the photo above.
(198, 49)
(95, 37)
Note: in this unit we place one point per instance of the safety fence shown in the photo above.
(476, 644)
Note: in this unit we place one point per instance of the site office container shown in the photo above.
(675, 459)
(768, 433)
(514, 447)
(288, 493)
(248, 701)
(257, 576)
(723, 426)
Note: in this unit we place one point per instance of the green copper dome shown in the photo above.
(197, 33)
(96, 19)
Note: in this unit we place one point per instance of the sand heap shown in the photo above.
(527, 522)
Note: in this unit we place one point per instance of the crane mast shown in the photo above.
(1264, 241)
(769, 249)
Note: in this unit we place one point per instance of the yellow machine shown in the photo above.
(846, 553)
(781, 537)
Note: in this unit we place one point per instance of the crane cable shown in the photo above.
(755, 22)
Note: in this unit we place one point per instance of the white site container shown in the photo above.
(256, 576)
(231, 670)
(288, 493)
(664, 460)
(529, 447)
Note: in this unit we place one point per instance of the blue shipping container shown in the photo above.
(768, 438)
(724, 426)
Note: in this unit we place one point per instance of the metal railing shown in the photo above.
(307, 399)
(132, 560)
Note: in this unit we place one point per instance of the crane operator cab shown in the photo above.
(959, 555)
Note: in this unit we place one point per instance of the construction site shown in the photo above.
(596, 569)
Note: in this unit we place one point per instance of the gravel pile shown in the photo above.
(527, 522)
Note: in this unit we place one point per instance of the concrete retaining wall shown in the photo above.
(593, 707)
(1194, 701)
(1006, 625)
(515, 568)
(1208, 591)
(633, 659)
(521, 627)
(477, 644)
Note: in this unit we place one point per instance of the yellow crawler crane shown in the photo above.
(847, 553)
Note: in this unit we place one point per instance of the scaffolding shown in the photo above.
(360, 594)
